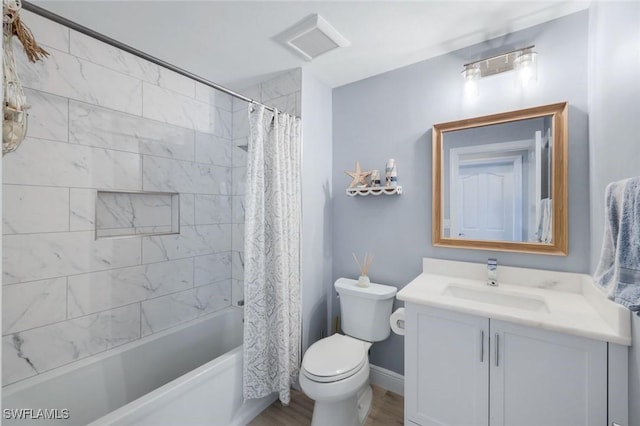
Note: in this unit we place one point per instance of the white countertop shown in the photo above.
(569, 303)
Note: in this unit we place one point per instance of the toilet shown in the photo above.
(335, 370)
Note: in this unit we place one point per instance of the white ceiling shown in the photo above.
(233, 42)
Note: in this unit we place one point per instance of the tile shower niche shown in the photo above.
(122, 214)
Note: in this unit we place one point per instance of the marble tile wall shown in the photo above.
(102, 119)
(283, 92)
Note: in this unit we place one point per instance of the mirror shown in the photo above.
(500, 181)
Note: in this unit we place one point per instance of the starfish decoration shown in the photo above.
(359, 177)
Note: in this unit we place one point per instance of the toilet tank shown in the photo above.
(365, 310)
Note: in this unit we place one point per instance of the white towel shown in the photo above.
(618, 271)
(545, 226)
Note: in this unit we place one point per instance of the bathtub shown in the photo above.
(188, 375)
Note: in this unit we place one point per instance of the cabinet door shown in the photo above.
(539, 377)
(447, 374)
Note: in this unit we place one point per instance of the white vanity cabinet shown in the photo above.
(540, 377)
(463, 369)
(446, 367)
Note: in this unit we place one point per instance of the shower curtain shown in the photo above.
(272, 324)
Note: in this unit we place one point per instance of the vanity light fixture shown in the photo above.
(524, 61)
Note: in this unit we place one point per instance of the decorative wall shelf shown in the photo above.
(352, 192)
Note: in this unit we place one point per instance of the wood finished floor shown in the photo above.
(387, 409)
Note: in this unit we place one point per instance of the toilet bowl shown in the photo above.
(335, 374)
(335, 370)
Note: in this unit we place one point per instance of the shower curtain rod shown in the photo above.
(115, 43)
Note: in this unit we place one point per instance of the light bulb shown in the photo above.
(526, 68)
(471, 88)
(471, 75)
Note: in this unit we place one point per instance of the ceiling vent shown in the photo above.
(312, 37)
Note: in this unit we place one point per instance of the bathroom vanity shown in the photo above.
(541, 348)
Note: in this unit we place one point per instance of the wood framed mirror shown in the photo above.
(500, 182)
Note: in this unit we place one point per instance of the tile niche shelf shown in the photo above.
(369, 190)
(120, 214)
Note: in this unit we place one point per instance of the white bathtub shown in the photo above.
(188, 375)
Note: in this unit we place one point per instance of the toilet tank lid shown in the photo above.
(374, 291)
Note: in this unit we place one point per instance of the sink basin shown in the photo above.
(496, 297)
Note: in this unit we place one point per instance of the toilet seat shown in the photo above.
(334, 358)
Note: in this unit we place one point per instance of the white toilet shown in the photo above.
(335, 370)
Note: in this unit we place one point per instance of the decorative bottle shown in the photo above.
(391, 173)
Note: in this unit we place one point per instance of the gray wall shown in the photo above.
(390, 116)
(316, 207)
(614, 90)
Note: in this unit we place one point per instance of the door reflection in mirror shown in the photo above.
(497, 182)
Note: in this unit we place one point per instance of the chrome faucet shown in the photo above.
(492, 272)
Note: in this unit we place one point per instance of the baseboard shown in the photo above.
(386, 379)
